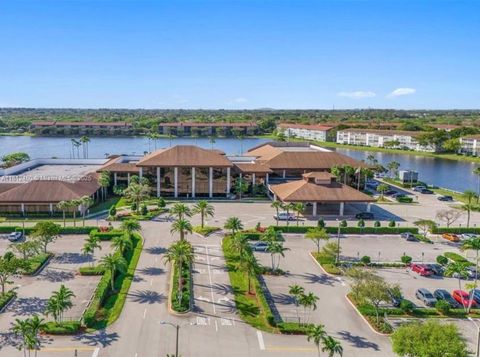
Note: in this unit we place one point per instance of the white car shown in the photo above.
(14, 236)
(468, 236)
(284, 216)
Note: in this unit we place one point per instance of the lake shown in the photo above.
(455, 175)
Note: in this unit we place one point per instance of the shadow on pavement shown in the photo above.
(101, 338)
(146, 297)
(358, 341)
(55, 275)
(151, 271)
(27, 306)
(318, 279)
(156, 250)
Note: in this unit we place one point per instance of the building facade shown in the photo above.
(308, 132)
(470, 145)
(208, 129)
(81, 128)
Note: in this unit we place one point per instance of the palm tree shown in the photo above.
(130, 226)
(85, 140)
(458, 270)
(277, 205)
(249, 265)
(104, 182)
(308, 301)
(289, 207)
(337, 171)
(234, 224)
(469, 196)
(91, 243)
(204, 209)
(332, 346)
(59, 302)
(476, 171)
(22, 328)
(298, 208)
(180, 210)
(113, 263)
(179, 253)
(122, 243)
(348, 171)
(85, 203)
(472, 244)
(28, 330)
(393, 167)
(137, 192)
(73, 205)
(317, 333)
(372, 159)
(211, 139)
(296, 291)
(63, 206)
(239, 243)
(382, 188)
(181, 226)
(276, 248)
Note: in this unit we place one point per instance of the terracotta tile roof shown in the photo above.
(304, 191)
(4, 187)
(317, 127)
(185, 156)
(114, 165)
(50, 191)
(252, 168)
(385, 132)
(208, 125)
(323, 175)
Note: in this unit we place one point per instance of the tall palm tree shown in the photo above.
(28, 330)
(348, 171)
(179, 253)
(249, 265)
(277, 205)
(239, 243)
(21, 328)
(181, 210)
(91, 243)
(113, 263)
(73, 205)
(472, 244)
(63, 206)
(308, 301)
(288, 208)
(298, 208)
(181, 226)
(85, 203)
(332, 346)
(393, 167)
(130, 226)
(276, 249)
(317, 333)
(371, 159)
(469, 196)
(211, 139)
(204, 209)
(296, 291)
(59, 302)
(234, 224)
(104, 182)
(137, 192)
(458, 270)
(476, 171)
(85, 140)
(122, 243)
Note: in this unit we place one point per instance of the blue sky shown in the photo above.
(240, 54)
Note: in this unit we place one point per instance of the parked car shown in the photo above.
(14, 236)
(421, 269)
(437, 269)
(445, 198)
(451, 237)
(463, 298)
(425, 296)
(426, 191)
(410, 237)
(476, 296)
(259, 246)
(399, 195)
(468, 236)
(442, 294)
(394, 298)
(469, 274)
(390, 192)
(419, 188)
(364, 215)
(284, 216)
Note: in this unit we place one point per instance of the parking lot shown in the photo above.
(34, 291)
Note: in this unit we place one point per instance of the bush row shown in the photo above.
(350, 230)
(91, 271)
(61, 328)
(456, 258)
(456, 230)
(294, 328)
(63, 230)
(106, 235)
(5, 298)
(183, 304)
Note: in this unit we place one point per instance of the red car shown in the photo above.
(421, 269)
(463, 298)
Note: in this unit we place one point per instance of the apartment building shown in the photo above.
(309, 132)
(207, 129)
(81, 128)
(397, 139)
(470, 145)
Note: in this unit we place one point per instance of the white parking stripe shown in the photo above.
(261, 344)
(96, 352)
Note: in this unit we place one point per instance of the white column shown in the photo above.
(193, 182)
(284, 173)
(369, 207)
(314, 209)
(140, 174)
(175, 182)
(253, 178)
(228, 181)
(115, 179)
(266, 178)
(342, 208)
(128, 178)
(274, 197)
(210, 182)
(51, 207)
(158, 181)
(22, 207)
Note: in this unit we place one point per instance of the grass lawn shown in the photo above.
(104, 205)
(206, 230)
(36, 262)
(5, 298)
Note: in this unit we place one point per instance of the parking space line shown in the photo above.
(96, 352)
(261, 343)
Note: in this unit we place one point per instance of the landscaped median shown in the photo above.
(349, 230)
(6, 297)
(205, 230)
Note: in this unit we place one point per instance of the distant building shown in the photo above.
(81, 128)
(408, 176)
(383, 138)
(470, 145)
(446, 127)
(207, 129)
(310, 132)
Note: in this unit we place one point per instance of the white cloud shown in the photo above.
(357, 94)
(240, 100)
(401, 92)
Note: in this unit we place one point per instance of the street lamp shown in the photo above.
(177, 328)
(478, 335)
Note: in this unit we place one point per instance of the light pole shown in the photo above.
(177, 329)
(478, 335)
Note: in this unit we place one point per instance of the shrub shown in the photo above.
(392, 224)
(405, 199)
(442, 307)
(350, 230)
(361, 223)
(133, 207)
(112, 212)
(343, 223)
(91, 271)
(161, 203)
(143, 210)
(377, 224)
(321, 223)
(108, 235)
(407, 306)
(365, 260)
(5, 298)
(456, 258)
(406, 259)
(61, 328)
(455, 230)
(442, 260)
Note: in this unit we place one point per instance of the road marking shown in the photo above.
(341, 281)
(225, 322)
(261, 344)
(216, 325)
(197, 257)
(203, 321)
(214, 258)
(156, 259)
(202, 298)
(151, 282)
(291, 349)
(226, 299)
(144, 312)
(96, 352)
(211, 283)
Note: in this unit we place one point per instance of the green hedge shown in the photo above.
(294, 328)
(252, 235)
(184, 304)
(328, 263)
(61, 328)
(457, 258)
(206, 230)
(103, 288)
(5, 298)
(106, 235)
(89, 271)
(63, 230)
(455, 230)
(350, 230)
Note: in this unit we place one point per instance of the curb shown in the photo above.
(39, 270)
(364, 318)
(8, 303)
(323, 270)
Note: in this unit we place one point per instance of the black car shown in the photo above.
(364, 215)
(409, 237)
(390, 192)
(426, 191)
(445, 198)
(436, 268)
(442, 294)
